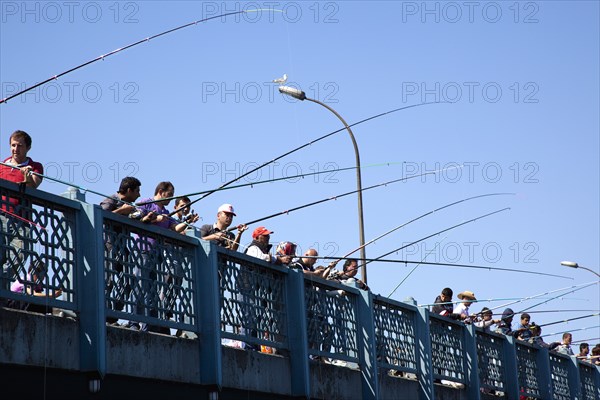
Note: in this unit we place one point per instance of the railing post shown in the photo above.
(574, 378)
(89, 284)
(297, 333)
(367, 346)
(472, 368)
(511, 365)
(424, 363)
(543, 364)
(208, 311)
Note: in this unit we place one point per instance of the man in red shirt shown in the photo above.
(14, 232)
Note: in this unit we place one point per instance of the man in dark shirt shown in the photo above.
(118, 288)
(218, 233)
(443, 305)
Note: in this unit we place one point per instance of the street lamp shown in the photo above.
(572, 264)
(300, 95)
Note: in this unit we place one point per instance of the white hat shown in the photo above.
(228, 208)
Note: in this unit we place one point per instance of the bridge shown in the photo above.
(327, 340)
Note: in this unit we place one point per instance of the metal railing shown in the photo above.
(120, 269)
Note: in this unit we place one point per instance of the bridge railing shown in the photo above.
(396, 335)
(252, 301)
(109, 267)
(491, 361)
(150, 274)
(39, 248)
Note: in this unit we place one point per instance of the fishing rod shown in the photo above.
(553, 298)
(437, 233)
(415, 267)
(585, 340)
(84, 190)
(63, 182)
(252, 184)
(426, 214)
(543, 294)
(570, 319)
(553, 311)
(569, 331)
(21, 218)
(470, 301)
(416, 219)
(334, 198)
(309, 144)
(120, 49)
(446, 265)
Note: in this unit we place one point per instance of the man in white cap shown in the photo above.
(218, 233)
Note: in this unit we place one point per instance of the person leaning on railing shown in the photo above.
(14, 232)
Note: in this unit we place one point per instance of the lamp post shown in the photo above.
(572, 264)
(300, 95)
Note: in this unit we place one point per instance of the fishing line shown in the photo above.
(437, 233)
(309, 144)
(147, 39)
(335, 198)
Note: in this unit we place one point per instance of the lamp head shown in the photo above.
(293, 92)
(569, 264)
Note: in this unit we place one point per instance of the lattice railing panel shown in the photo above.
(490, 361)
(447, 349)
(395, 335)
(331, 321)
(252, 301)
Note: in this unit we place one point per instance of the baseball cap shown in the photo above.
(261, 230)
(228, 208)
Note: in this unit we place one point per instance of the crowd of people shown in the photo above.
(526, 330)
(21, 169)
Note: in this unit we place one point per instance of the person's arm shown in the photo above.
(31, 180)
(236, 241)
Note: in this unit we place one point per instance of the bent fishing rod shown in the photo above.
(313, 203)
(309, 144)
(445, 265)
(63, 182)
(426, 214)
(252, 184)
(570, 319)
(120, 49)
(437, 233)
(535, 296)
(556, 297)
(416, 266)
(422, 216)
(569, 331)
(84, 190)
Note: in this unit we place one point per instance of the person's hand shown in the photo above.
(285, 259)
(149, 218)
(241, 228)
(57, 292)
(127, 208)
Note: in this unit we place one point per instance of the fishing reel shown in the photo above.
(137, 214)
(189, 217)
(335, 275)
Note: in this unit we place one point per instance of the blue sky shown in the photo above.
(519, 82)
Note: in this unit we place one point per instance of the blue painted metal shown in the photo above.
(90, 287)
(367, 354)
(471, 366)
(298, 337)
(359, 325)
(425, 365)
(511, 365)
(208, 308)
